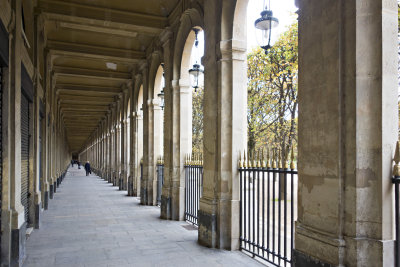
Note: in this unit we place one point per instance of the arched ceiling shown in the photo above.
(94, 45)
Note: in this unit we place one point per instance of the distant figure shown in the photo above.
(87, 168)
(79, 164)
(72, 162)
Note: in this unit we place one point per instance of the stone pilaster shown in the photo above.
(139, 153)
(167, 41)
(348, 120)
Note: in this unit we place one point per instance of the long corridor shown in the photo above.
(91, 223)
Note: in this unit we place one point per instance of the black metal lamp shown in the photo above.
(266, 23)
(196, 71)
(161, 94)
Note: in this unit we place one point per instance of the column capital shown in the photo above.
(166, 36)
(143, 67)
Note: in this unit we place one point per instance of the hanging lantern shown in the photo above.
(195, 74)
(196, 71)
(161, 94)
(266, 23)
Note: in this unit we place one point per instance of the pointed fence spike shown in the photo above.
(254, 158)
(262, 158)
(279, 159)
(250, 159)
(292, 166)
(274, 158)
(286, 165)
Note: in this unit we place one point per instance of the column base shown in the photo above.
(125, 187)
(166, 208)
(302, 260)
(46, 200)
(130, 189)
(51, 191)
(207, 235)
(114, 179)
(124, 183)
(143, 196)
(55, 187)
(58, 182)
(18, 237)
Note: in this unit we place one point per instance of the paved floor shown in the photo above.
(90, 223)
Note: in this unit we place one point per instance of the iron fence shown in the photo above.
(193, 186)
(160, 179)
(396, 182)
(267, 206)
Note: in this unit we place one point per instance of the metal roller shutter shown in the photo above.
(25, 155)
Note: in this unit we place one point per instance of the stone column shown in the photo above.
(146, 188)
(154, 149)
(139, 149)
(158, 141)
(117, 133)
(132, 134)
(122, 184)
(348, 123)
(102, 148)
(132, 187)
(99, 142)
(106, 146)
(110, 143)
(166, 196)
(182, 144)
(125, 144)
(13, 223)
(225, 111)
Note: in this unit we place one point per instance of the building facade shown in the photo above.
(81, 79)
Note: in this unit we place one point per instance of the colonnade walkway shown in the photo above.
(90, 223)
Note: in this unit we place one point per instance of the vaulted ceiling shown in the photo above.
(94, 46)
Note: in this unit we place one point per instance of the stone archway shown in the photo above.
(153, 125)
(178, 118)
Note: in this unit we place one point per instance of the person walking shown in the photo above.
(72, 162)
(87, 168)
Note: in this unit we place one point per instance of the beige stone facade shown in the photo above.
(95, 73)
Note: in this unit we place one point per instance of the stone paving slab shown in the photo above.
(90, 223)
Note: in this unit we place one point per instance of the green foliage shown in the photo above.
(197, 120)
(272, 93)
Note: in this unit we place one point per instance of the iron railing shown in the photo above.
(160, 179)
(267, 207)
(193, 186)
(396, 182)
